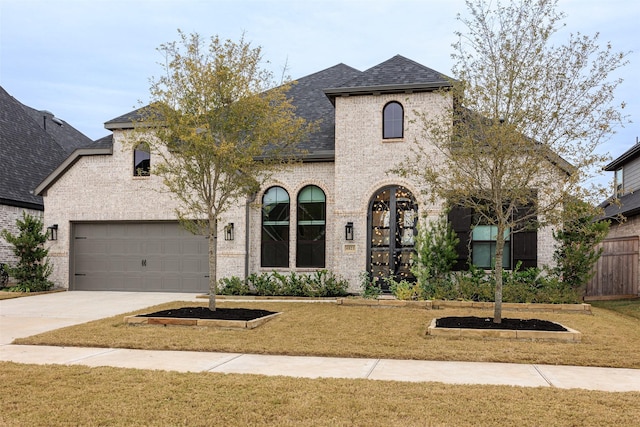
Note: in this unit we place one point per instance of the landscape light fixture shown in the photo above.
(228, 231)
(348, 231)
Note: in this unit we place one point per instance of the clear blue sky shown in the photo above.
(89, 61)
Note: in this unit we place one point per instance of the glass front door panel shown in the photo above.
(392, 222)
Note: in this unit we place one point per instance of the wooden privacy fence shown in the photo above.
(616, 272)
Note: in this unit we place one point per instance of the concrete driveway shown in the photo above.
(22, 317)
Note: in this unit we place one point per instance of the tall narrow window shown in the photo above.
(619, 183)
(141, 160)
(311, 228)
(393, 120)
(275, 228)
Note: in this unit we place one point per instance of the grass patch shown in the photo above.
(110, 396)
(627, 307)
(324, 329)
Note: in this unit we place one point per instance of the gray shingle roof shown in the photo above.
(126, 120)
(311, 103)
(27, 154)
(32, 144)
(394, 75)
(65, 135)
(312, 96)
(626, 157)
(627, 206)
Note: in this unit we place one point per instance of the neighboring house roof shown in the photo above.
(625, 206)
(65, 135)
(626, 157)
(28, 152)
(629, 204)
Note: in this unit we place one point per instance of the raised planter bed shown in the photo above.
(528, 307)
(568, 335)
(440, 304)
(199, 316)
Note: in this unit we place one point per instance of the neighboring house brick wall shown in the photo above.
(8, 217)
(630, 227)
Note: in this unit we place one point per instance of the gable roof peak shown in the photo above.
(396, 74)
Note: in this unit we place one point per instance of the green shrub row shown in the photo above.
(322, 283)
(519, 286)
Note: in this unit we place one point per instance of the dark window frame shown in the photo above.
(523, 243)
(392, 126)
(311, 229)
(275, 225)
(142, 160)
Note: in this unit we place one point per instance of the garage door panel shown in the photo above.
(139, 257)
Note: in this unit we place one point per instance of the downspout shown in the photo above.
(247, 239)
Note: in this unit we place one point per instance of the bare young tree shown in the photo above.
(220, 126)
(523, 122)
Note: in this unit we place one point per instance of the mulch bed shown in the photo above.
(244, 314)
(471, 322)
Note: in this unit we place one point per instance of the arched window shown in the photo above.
(141, 160)
(393, 120)
(310, 251)
(275, 228)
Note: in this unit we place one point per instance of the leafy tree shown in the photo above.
(522, 122)
(221, 126)
(578, 250)
(435, 254)
(33, 269)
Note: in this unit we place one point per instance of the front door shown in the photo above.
(392, 219)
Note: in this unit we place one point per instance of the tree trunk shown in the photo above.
(497, 309)
(213, 260)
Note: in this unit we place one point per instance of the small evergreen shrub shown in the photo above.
(435, 254)
(262, 284)
(33, 269)
(233, 286)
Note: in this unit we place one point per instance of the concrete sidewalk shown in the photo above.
(604, 379)
(27, 316)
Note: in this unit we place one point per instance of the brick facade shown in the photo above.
(103, 188)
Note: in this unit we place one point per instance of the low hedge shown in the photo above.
(322, 283)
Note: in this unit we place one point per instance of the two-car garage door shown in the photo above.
(136, 256)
